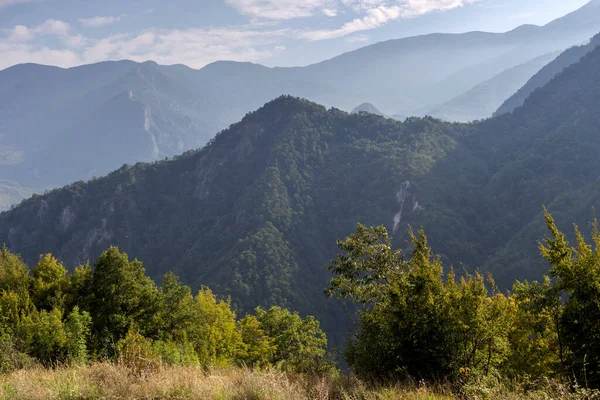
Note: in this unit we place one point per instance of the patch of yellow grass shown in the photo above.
(108, 381)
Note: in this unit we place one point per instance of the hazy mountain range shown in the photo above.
(256, 213)
(542, 77)
(61, 125)
(484, 99)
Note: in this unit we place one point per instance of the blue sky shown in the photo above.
(270, 32)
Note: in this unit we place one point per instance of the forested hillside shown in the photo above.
(256, 213)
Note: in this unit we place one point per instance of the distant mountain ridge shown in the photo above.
(567, 58)
(368, 108)
(484, 99)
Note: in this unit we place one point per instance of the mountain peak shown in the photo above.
(287, 104)
(368, 108)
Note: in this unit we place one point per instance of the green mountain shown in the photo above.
(255, 214)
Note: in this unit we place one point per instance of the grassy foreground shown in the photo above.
(108, 381)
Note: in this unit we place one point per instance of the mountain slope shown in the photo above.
(481, 101)
(567, 58)
(49, 115)
(255, 214)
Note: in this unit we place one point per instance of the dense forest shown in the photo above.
(255, 213)
(114, 311)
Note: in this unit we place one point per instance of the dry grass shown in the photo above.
(108, 381)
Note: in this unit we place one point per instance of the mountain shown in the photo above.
(484, 99)
(407, 75)
(367, 108)
(61, 125)
(57, 122)
(256, 213)
(567, 58)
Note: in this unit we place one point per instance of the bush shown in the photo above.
(11, 358)
(136, 353)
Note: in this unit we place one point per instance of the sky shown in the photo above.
(270, 32)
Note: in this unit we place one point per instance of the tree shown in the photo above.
(178, 310)
(78, 287)
(214, 335)
(258, 348)
(77, 329)
(49, 283)
(121, 295)
(299, 343)
(14, 274)
(44, 335)
(412, 321)
(537, 347)
(576, 270)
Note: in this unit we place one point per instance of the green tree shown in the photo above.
(44, 335)
(179, 310)
(77, 330)
(413, 322)
(49, 283)
(14, 274)
(214, 335)
(577, 276)
(300, 344)
(78, 287)
(121, 295)
(15, 299)
(258, 348)
(536, 346)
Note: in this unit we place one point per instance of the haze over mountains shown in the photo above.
(59, 126)
(567, 58)
(255, 214)
(484, 99)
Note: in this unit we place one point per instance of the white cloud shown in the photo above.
(375, 18)
(49, 28)
(95, 22)
(193, 47)
(53, 27)
(20, 33)
(56, 42)
(375, 14)
(282, 9)
(413, 8)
